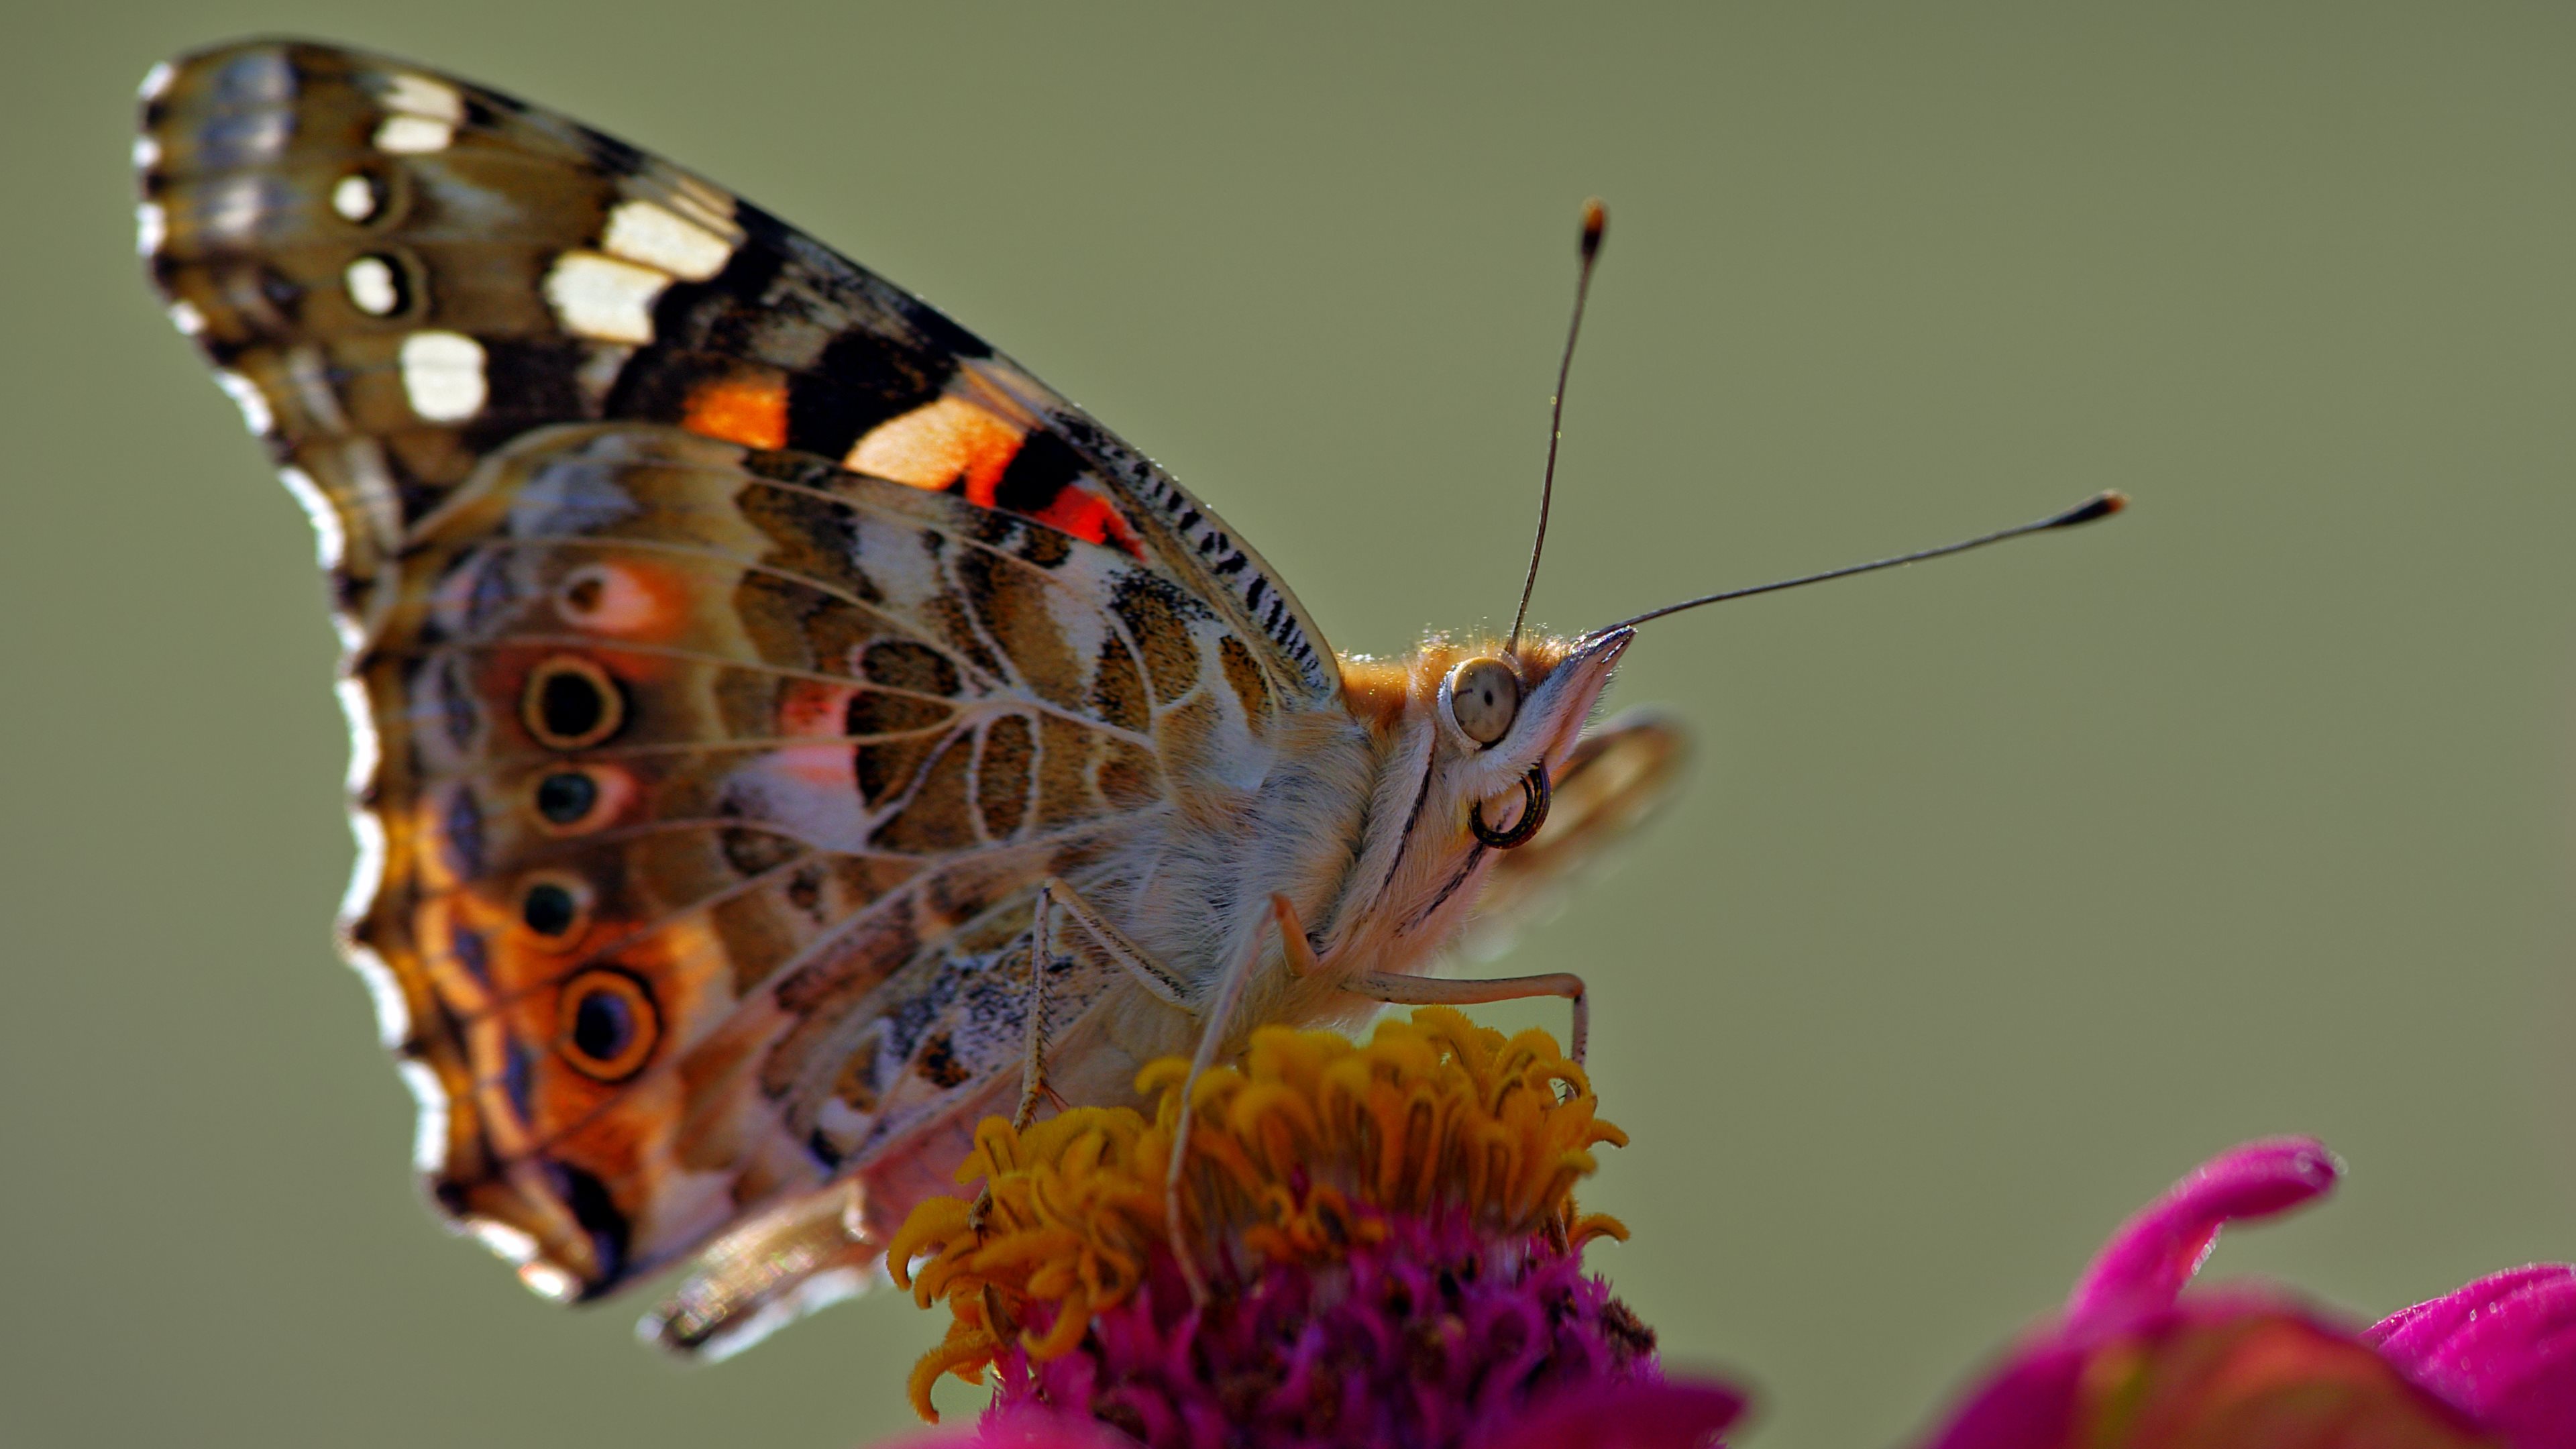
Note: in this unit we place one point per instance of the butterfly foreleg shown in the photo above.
(1033, 1065)
(1149, 973)
(1054, 894)
(1437, 991)
(1217, 1020)
(1166, 987)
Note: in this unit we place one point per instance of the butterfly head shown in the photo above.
(1476, 735)
(1498, 715)
(1473, 739)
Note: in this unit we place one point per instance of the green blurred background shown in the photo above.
(2002, 892)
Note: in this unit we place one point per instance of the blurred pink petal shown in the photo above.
(1024, 1428)
(2132, 1365)
(2234, 1371)
(1668, 1415)
(2155, 1253)
(2029, 1403)
(2502, 1348)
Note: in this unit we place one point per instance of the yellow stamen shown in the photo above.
(1297, 1155)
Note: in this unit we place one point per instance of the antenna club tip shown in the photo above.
(2100, 505)
(1596, 218)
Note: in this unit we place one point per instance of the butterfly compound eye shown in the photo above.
(1484, 696)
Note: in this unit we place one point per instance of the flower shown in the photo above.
(2132, 1362)
(1389, 1238)
(2502, 1349)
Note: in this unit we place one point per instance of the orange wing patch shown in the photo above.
(937, 443)
(1087, 515)
(749, 410)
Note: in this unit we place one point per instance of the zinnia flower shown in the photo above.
(1388, 1237)
(2132, 1363)
(2503, 1349)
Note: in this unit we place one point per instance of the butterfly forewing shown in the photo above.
(733, 641)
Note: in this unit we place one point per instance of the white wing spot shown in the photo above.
(354, 198)
(413, 135)
(442, 373)
(602, 297)
(429, 1134)
(151, 228)
(246, 396)
(418, 95)
(393, 1018)
(425, 115)
(366, 878)
(366, 754)
(329, 541)
(657, 236)
(370, 281)
(185, 316)
(147, 153)
(549, 1282)
(507, 1243)
(156, 81)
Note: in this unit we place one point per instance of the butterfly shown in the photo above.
(785, 731)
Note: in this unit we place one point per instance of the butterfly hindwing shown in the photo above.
(733, 641)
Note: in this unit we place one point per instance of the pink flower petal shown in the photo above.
(2232, 1371)
(1668, 1415)
(2154, 1253)
(1019, 1428)
(2503, 1348)
(2029, 1404)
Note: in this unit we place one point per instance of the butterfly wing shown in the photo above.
(732, 641)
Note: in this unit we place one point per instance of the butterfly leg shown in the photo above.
(1054, 895)
(1215, 1017)
(1440, 991)
(1293, 943)
(1220, 1012)
(1033, 1067)
(1300, 957)
(1148, 972)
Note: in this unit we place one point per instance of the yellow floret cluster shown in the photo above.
(1296, 1155)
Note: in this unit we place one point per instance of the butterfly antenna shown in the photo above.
(1595, 217)
(2100, 505)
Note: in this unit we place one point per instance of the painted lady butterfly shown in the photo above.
(747, 665)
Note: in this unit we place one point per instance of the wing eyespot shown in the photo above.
(566, 798)
(570, 703)
(606, 1025)
(555, 907)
